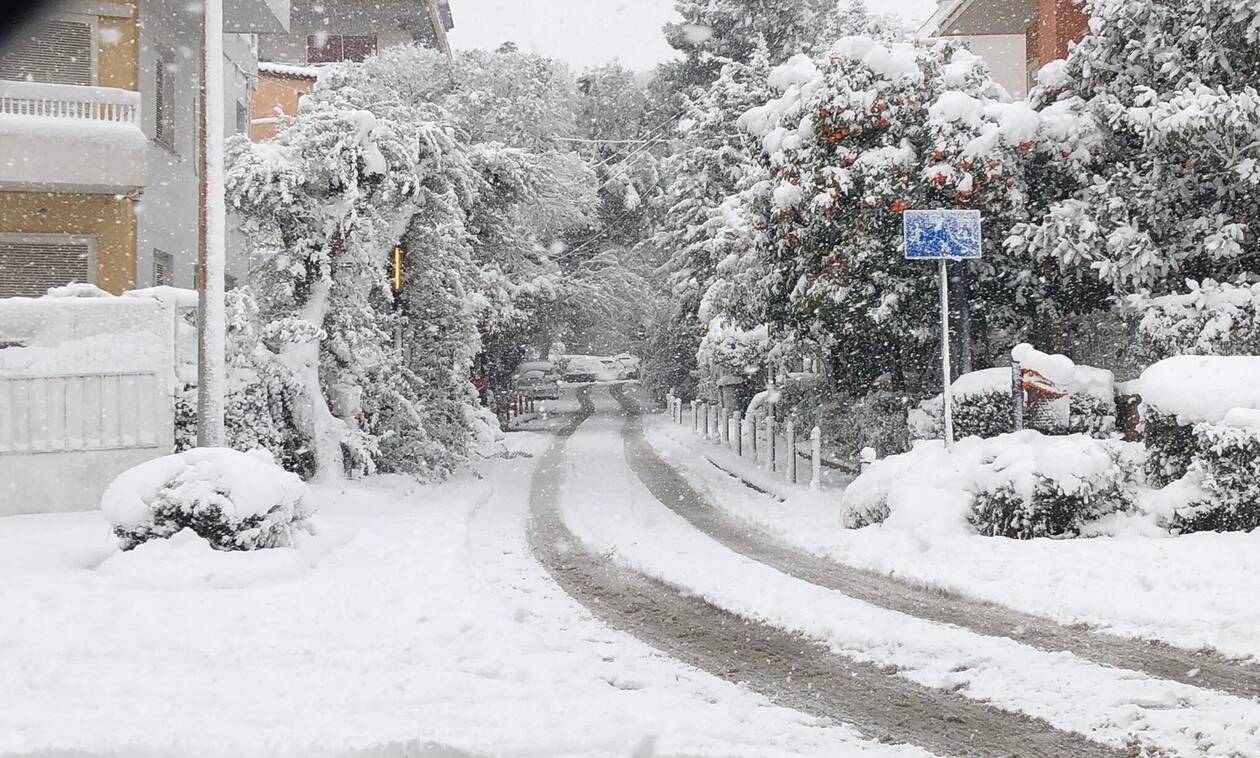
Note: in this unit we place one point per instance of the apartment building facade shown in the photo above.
(1016, 37)
(99, 139)
(331, 31)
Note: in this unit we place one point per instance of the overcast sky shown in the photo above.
(588, 32)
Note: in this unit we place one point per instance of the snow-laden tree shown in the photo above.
(730, 30)
(1165, 95)
(854, 140)
(712, 160)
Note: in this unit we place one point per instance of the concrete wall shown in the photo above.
(1007, 59)
(168, 210)
(109, 219)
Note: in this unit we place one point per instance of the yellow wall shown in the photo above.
(111, 219)
(118, 59)
(282, 92)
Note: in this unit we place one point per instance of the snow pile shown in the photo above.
(898, 61)
(1024, 484)
(234, 500)
(1201, 388)
(796, 80)
(81, 331)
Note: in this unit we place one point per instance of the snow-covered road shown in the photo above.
(420, 627)
(615, 515)
(447, 621)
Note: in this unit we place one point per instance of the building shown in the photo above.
(1016, 37)
(331, 31)
(99, 136)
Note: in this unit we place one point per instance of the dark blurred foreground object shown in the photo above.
(20, 13)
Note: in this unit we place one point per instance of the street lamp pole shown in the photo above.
(211, 316)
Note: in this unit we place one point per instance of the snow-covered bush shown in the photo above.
(1213, 318)
(1182, 391)
(727, 350)
(234, 500)
(983, 407)
(1020, 485)
(1221, 488)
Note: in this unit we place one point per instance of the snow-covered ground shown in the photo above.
(611, 511)
(418, 618)
(1197, 590)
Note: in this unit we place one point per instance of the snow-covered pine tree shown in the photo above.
(1166, 106)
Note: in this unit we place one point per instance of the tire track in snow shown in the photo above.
(1160, 660)
(787, 668)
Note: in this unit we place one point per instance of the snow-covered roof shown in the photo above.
(288, 70)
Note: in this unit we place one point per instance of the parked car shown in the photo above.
(582, 369)
(538, 380)
(611, 369)
(629, 365)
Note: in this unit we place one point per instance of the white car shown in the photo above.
(537, 380)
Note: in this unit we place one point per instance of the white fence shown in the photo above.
(774, 446)
(86, 391)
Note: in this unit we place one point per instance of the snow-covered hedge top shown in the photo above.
(1212, 318)
(931, 489)
(252, 483)
(997, 379)
(1061, 370)
(1202, 387)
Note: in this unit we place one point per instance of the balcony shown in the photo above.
(68, 138)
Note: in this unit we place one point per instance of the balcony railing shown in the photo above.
(68, 101)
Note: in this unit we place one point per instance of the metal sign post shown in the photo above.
(943, 235)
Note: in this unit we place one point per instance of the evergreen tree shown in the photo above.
(1163, 103)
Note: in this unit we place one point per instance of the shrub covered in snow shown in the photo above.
(234, 500)
(1220, 490)
(1213, 318)
(1020, 485)
(1182, 391)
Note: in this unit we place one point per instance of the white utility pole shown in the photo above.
(945, 370)
(211, 316)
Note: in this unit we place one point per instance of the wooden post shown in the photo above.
(695, 417)
(815, 458)
(719, 417)
(1017, 393)
(739, 434)
(704, 411)
(791, 451)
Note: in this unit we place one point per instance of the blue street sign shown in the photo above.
(950, 235)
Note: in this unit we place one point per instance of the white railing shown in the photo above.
(82, 412)
(69, 101)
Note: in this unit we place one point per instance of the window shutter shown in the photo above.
(28, 269)
(163, 265)
(57, 51)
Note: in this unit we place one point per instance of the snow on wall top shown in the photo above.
(83, 334)
(1202, 387)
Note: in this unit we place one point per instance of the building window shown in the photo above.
(334, 48)
(163, 269)
(242, 118)
(30, 265)
(56, 51)
(164, 103)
